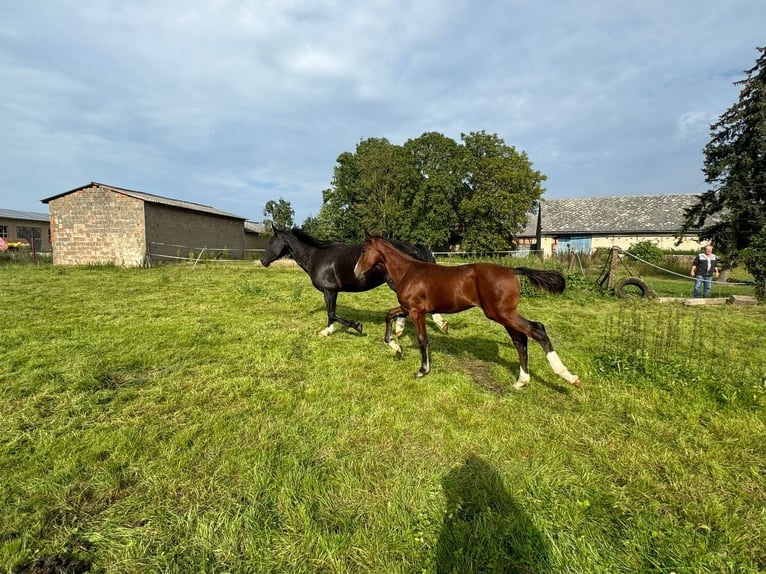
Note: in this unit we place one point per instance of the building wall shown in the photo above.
(12, 225)
(174, 234)
(625, 241)
(255, 244)
(95, 225)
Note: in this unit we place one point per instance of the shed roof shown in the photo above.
(150, 198)
(29, 215)
(255, 227)
(616, 214)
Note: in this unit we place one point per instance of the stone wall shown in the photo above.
(97, 226)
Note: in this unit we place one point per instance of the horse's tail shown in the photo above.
(545, 279)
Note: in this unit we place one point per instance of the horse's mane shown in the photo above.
(309, 239)
(416, 250)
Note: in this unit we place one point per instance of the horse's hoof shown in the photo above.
(576, 382)
(420, 374)
(445, 328)
(397, 348)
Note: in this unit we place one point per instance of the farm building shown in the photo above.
(256, 239)
(30, 227)
(590, 223)
(98, 223)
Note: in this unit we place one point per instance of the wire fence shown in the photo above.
(209, 254)
(222, 254)
(669, 272)
(197, 254)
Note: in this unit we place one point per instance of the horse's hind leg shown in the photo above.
(330, 301)
(520, 342)
(536, 330)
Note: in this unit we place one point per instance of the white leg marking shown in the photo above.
(328, 331)
(399, 327)
(559, 368)
(394, 344)
(439, 320)
(523, 379)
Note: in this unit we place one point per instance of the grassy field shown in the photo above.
(191, 420)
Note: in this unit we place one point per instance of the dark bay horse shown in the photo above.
(427, 288)
(330, 265)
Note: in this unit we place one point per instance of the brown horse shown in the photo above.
(429, 288)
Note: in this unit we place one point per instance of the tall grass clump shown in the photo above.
(676, 347)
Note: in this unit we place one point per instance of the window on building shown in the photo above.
(4, 231)
(30, 235)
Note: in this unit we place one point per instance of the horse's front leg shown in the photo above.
(419, 320)
(330, 301)
(399, 314)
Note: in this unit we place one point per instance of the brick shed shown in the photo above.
(98, 223)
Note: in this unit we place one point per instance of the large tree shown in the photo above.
(432, 190)
(432, 205)
(732, 213)
(367, 192)
(501, 188)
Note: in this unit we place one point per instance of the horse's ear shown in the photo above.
(367, 235)
(275, 228)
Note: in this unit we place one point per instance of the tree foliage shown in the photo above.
(432, 190)
(280, 212)
(732, 213)
(647, 251)
(501, 189)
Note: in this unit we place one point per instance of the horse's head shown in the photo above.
(371, 255)
(276, 248)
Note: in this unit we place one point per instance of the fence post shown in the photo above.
(198, 258)
(612, 267)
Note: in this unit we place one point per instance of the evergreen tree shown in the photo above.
(732, 213)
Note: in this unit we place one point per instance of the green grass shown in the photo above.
(191, 420)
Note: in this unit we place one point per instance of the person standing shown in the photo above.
(704, 268)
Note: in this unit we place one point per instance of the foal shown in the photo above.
(429, 288)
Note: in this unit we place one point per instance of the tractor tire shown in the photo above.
(631, 282)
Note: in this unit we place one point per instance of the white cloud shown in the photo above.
(242, 102)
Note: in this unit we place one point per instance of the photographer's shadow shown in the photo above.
(483, 529)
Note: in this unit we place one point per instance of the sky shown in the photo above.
(232, 103)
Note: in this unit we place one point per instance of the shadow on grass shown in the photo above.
(484, 530)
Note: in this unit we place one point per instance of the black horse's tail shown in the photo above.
(545, 279)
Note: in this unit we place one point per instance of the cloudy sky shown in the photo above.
(231, 103)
